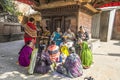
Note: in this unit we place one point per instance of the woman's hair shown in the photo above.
(53, 42)
(47, 28)
(72, 49)
(27, 43)
(64, 40)
(31, 19)
(81, 27)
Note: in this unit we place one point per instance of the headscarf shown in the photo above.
(30, 32)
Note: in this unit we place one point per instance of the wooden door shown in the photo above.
(67, 24)
(104, 23)
(95, 29)
(56, 23)
(116, 28)
(49, 23)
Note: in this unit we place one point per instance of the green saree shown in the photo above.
(86, 55)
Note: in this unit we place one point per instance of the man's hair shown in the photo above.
(31, 19)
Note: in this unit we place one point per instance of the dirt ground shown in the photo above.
(106, 63)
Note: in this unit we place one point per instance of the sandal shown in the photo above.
(89, 78)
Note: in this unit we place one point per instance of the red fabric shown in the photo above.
(31, 25)
(54, 56)
(110, 4)
(27, 37)
(26, 2)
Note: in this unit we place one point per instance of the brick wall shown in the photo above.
(85, 20)
(72, 23)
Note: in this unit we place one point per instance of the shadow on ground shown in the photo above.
(114, 54)
(118, 44)
(109, 54)
(99, 54)
(16, 75)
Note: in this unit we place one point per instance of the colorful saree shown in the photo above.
(57, 38)
(73, 66)
(24, 57)
(30, 32)
(46, 37)
(64, 50)
(54, 53)
(32, 61)
(43, 63)
(86, 55)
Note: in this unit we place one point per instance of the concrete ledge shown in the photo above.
(11, 37)
(12, 24)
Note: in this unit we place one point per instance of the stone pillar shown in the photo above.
(111, 23)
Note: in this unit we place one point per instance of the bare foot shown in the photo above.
(86, 67)
(17, 63)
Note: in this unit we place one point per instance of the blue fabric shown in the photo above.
(57, 38)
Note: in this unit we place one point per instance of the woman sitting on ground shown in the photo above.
(69, 36)
(57, 36)
(25, 54)
(83, 34)
(72, 66)
(54, 52)
(43, 62)
(86, 54)
(45, 35)
(64, 48)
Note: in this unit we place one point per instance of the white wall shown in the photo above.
(111, 23)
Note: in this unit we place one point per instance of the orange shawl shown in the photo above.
(30, 32)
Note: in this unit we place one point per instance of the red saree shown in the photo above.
(30, 33)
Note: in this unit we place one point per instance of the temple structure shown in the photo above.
(106, 25)
(66, 14)
(99, 17)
